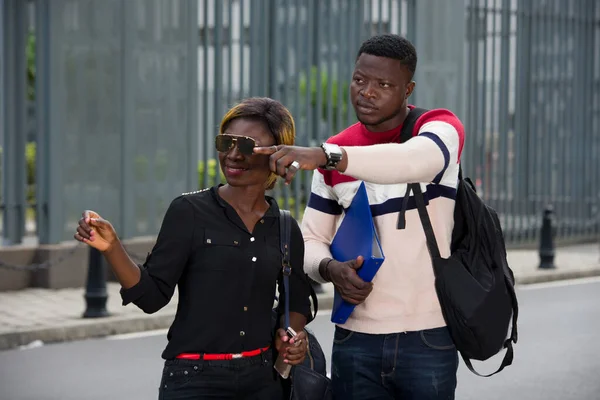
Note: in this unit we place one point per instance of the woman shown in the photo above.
(220, 247)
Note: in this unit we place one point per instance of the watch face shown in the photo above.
(333, 153)
(331, 148)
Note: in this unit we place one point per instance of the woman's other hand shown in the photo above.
(293, 350)
(95, 231)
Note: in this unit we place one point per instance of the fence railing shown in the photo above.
(533, 113)
(300, 52)
(531, 93)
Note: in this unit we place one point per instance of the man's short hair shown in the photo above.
(391, 46)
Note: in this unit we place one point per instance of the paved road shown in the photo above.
(557, 358)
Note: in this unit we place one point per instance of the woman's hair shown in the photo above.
(272, 113)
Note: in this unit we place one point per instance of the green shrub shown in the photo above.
(213, 167)
(30, 53)
(30, 152)
(335, 104)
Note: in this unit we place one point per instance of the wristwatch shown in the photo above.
(333, 154)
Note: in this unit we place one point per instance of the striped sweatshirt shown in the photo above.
(403, 297)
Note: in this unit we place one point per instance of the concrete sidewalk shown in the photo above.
(32, 315)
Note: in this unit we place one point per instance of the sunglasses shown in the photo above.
(225, 142)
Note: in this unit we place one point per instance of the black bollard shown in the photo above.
(95, 289)
(547, 239)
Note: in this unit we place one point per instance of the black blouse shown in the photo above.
(226, 276)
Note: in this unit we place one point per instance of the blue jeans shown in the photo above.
(243, 378)
(409, 366)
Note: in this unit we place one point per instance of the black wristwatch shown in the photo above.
(333, 152)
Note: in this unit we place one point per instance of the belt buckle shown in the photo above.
(236, 355)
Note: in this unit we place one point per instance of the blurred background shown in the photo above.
(112, 105)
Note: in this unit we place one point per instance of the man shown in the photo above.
(395, 344)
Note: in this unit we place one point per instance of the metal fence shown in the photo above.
(115, 112)
(13, 35)
(300, 52)
(523, 75)
(533, 113)
(531, 92)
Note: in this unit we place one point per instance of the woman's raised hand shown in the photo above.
(95, 231)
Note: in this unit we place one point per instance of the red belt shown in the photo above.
(231, 356)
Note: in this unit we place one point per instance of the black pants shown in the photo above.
(242, 378)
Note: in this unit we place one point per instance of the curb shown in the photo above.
(102, 327)
(86, 329)
(557, 275)
(115, 325)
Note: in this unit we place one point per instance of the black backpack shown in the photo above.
(475, 285)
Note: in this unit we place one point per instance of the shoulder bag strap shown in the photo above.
(285, 232)
(285, 235)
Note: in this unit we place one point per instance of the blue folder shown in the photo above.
(356, 236)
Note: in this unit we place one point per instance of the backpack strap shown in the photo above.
(434, 252)
(406, 133)
(285, 233)
(408, 126)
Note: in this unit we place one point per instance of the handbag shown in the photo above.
(308, 380)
